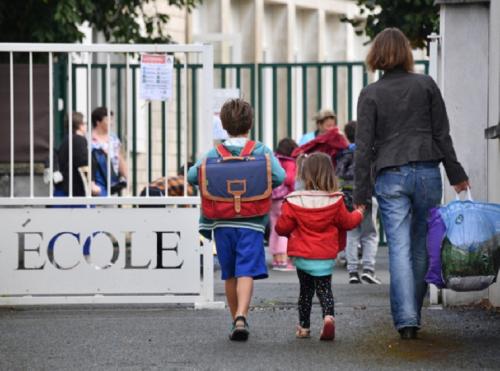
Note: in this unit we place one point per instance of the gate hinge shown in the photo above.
(493, 132)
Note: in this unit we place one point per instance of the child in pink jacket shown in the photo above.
(277, 244)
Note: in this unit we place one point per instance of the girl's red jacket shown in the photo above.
(315, 223)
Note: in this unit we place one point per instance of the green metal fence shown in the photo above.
(291, 86)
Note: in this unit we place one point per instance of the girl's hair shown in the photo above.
(389, 50)
(300, 165)
(317, 172)
(286, 146)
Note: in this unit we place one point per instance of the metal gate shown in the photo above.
(87, 249)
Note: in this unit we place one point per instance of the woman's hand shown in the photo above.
(360, 208)
(462, 186)
(95, 189)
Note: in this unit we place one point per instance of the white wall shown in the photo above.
(242, 22)
(335, 37)
(470, 82)
(306, 39)
(464, 31)
(275, 37)
(494, 119)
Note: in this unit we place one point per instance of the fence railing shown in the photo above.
(284, 95)
(65, 90)
(66, 250)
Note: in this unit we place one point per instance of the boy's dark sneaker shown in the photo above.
(408, 333)
(240, 330)
(369, 277)
(354, 277)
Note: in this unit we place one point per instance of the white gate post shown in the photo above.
(434, 292)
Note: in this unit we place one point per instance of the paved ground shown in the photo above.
(178, 337)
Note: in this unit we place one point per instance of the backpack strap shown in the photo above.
(223, 151)
(248, 149)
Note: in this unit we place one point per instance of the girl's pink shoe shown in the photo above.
(328, 331)
(277, 266)
(289, 267)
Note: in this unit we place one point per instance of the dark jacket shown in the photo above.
(80, 158)
(401, 119)
(345, 174)
(345, 168)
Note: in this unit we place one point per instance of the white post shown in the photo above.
(206, 122)
(11, 125)
(434, 292)
(130, 102)
(70, 125)
(108, 111)
(185, 121)
(32, 145)
(165, 149)
(51, 128)
(89, 120)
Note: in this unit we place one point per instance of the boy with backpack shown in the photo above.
(245, 173)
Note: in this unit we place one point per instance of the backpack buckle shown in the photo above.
(236, 188)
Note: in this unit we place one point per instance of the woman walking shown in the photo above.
(403, 135)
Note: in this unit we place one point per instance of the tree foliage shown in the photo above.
(416, 18)
(57, 21)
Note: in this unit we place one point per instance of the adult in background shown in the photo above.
(403, 134)
(325, 120)
(104, 143)
(79, 161)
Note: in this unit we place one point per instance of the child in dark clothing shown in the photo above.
(365, 235)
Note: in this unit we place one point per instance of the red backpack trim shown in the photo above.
(245, 151)
(223, 151)
(248, 149)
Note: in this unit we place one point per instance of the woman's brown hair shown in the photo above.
(317, 173)
(389, 50)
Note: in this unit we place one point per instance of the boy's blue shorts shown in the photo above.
(240, 252)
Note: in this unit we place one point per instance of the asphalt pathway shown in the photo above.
(181, 338)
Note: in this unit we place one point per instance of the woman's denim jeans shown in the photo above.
(405, 194)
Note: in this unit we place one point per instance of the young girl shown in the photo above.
(315, 221)
(277, 244)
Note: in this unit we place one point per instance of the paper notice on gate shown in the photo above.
(156, 76)
(219, 98)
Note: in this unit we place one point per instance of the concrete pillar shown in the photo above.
(321, 35)
(225, 13)
(494, 119)
(464, 32)
(259, 23)
(291, 27)
(464, 56)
